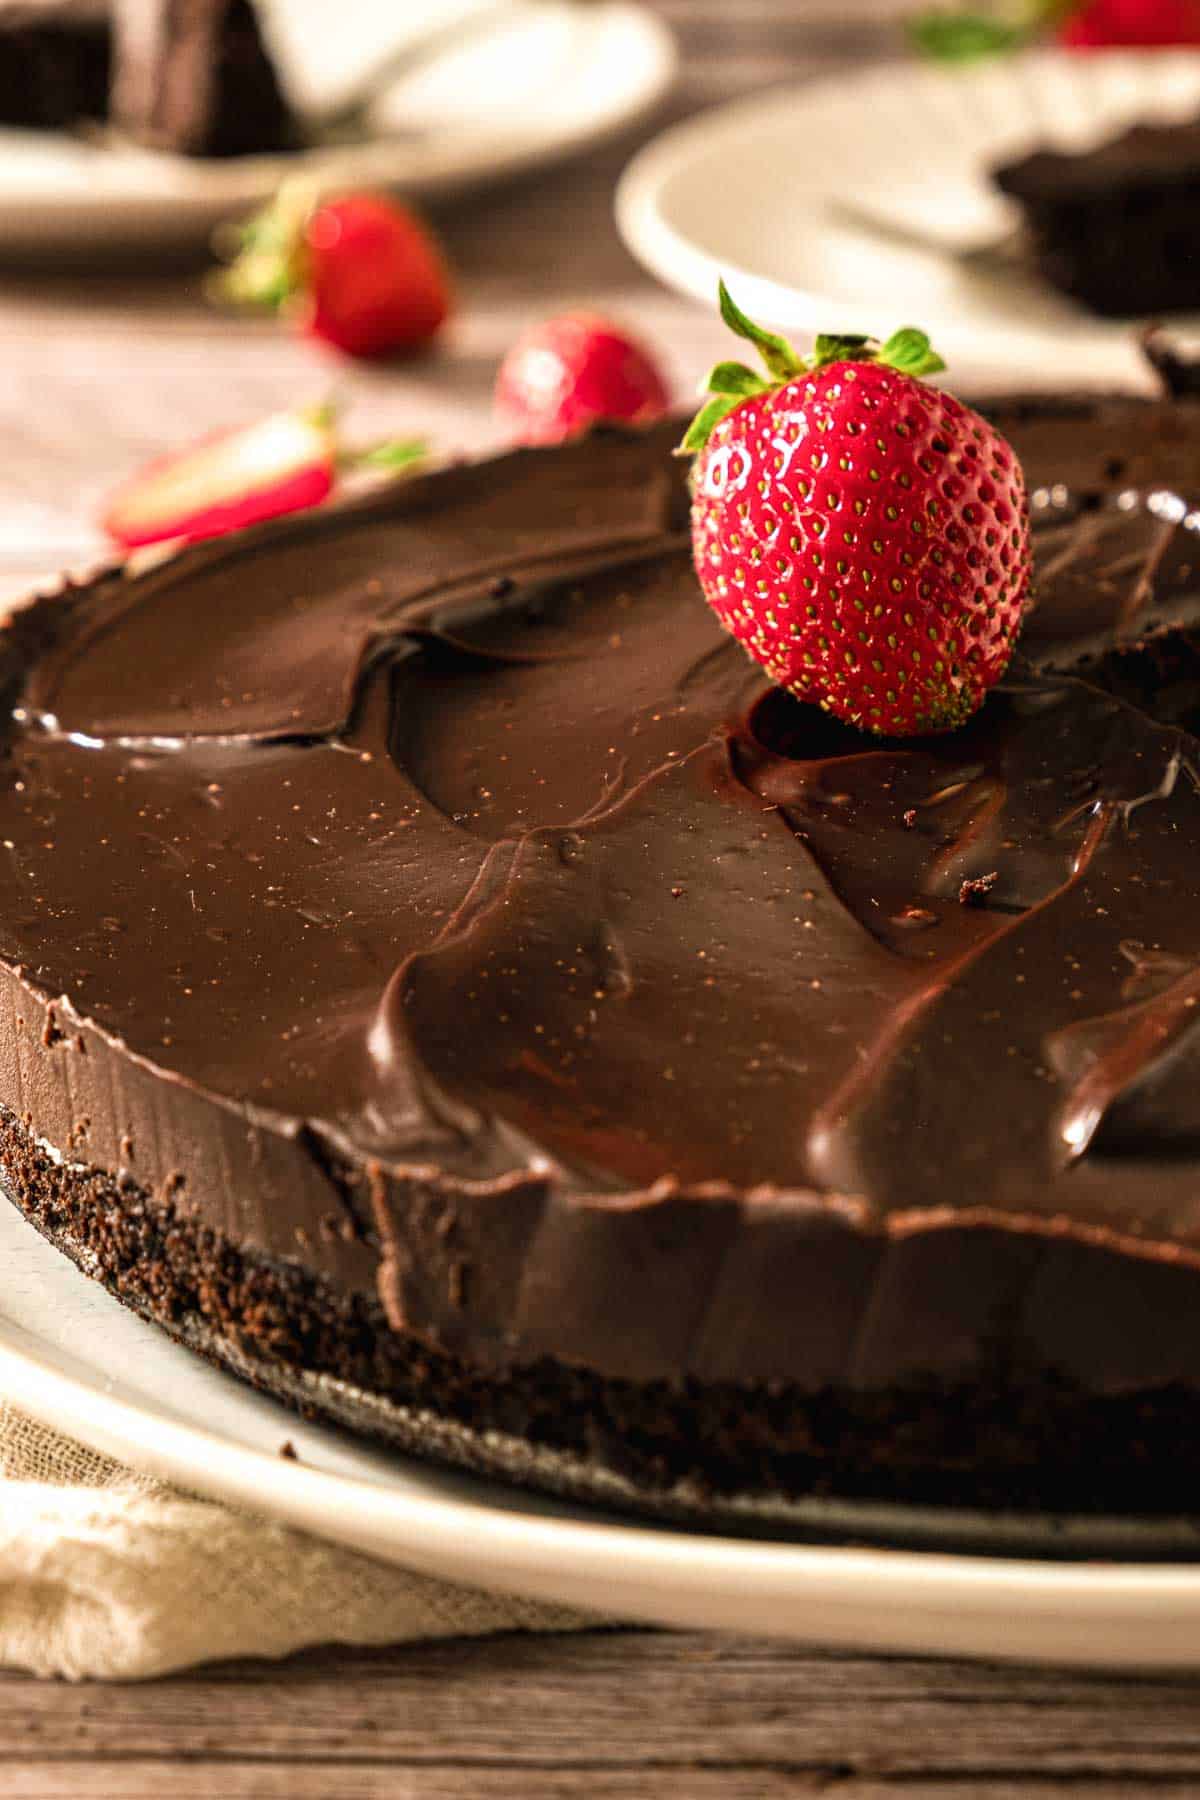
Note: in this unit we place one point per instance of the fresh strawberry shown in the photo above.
(1132, 24)
(280, 464)
(572, 371)
(359, 271)
(864, 536)
(277, 465)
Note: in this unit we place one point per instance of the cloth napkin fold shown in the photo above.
(107, 1574)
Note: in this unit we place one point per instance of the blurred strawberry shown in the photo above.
(280, 464)
(571, 372)
(954, 34)
(359, 271)
(1131, 24)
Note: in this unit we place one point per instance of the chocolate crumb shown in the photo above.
(288, 1451)
(974, 890)
(910, 818)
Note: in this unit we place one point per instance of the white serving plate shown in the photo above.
(551, 81)
(71, 1355)
(864, 203)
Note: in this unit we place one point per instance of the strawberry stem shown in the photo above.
(730, 383)
(390, 453)
(266, 269)
(323, 414)
(830, 349)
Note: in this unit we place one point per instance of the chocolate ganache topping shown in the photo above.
(427, 892)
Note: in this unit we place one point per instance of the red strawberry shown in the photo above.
(951, 35)
(1132, 24)
(277, 465)
(280, 464)
(572, 371)
(865, 537)
(360, 272)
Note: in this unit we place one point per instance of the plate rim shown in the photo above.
(686, 268)
(35, 218)
(1102, 1614)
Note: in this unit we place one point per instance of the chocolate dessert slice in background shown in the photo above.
(192, 76)
(1117, 228)
(55, 62)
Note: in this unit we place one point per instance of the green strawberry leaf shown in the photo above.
(964, 37)
(730, 383)
(831, 347)
(776, 352)
(706, 422)
(949, 35)
(910, 351)
(266, 264)
(734, 378)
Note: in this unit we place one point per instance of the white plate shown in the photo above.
(557, 78)
(73, 1356)
(864, 203)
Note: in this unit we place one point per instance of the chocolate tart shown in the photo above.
(442, 980)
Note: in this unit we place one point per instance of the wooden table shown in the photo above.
(98, 372)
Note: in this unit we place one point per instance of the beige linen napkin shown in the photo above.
(106, 1574)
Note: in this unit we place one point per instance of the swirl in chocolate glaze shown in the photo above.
(462, 914)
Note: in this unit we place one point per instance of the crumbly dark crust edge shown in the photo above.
(1021, 1439)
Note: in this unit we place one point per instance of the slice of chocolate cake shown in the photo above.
(192, 76)
(443, 980)
(1118, 227)
(55, 62)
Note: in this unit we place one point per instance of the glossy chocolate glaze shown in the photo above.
(429, 893)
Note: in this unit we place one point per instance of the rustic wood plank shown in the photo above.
(609, 1702)
(380, 1781)
(304, 1781)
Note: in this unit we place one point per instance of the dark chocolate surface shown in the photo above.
(430, 894)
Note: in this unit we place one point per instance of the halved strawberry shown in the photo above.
(279, 464)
